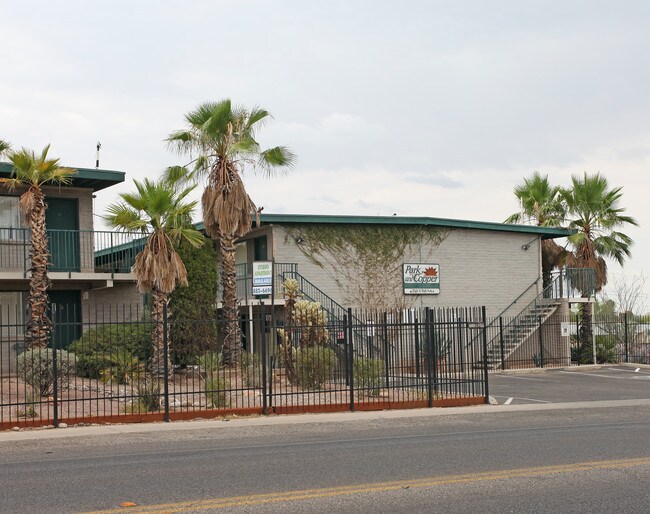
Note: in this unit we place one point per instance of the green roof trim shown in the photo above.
(95, 179)
(282, 219)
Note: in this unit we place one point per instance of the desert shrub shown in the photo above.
(215, 392)
(251, 373)
(369, 375)
(606, 350)
(148, 394)
(36, 367)
(102, 347)
(210, 363)
(313, 366)
(123, 368)
(249, 359)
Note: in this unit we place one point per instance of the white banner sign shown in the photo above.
(421, 278)
(262, 278)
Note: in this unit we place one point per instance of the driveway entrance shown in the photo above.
(607, 382)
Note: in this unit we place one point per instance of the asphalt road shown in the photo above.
(550, 460)
(571, 385)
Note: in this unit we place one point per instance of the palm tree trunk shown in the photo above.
(232, 332)
(157, 335)
(39, 326)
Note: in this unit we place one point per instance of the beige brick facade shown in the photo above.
(477, 267)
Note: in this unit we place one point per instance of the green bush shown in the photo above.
(314, 365)
(148, 398)
(122, 367)
(369, 375)
(36, 367)
(210, 363)
(190, 308)
(251, 373)
(248, 359)
(215, 392)
(606, 350)
(104, 347)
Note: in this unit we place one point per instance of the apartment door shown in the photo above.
(65, 312)
(62, 220)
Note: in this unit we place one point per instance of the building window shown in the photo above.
(12, 313)
(12, 223)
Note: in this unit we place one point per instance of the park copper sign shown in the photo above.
(421, 278)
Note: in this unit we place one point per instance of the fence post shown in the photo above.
(541, 341)
(485, 356)
(386, 355)
(166, 363)
(417, 348)
(55, 383)
(350, 347)
(627, 351)
(264, 359)
(501, 344)
(428, 342)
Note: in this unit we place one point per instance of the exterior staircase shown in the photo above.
(568, 283)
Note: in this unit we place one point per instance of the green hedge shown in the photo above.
(111, 345)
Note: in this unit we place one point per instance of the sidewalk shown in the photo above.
(293, 419)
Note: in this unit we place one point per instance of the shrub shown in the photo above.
(148, 398)
(606, 350)
(35, 366)
(215, 392)
(122, 368)
(210, 363)
(369, 375)
(191, 307)
(249, 359)
(103, 347)
(251, 373)
(314, 365)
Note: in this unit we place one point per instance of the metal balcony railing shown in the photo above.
(89, 251)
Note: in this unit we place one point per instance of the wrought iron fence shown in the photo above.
(561, 341)
(422, 360)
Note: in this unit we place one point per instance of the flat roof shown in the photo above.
(92, 178)
(285, 219)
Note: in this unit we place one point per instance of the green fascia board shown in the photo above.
(282, 219)
(95, 179)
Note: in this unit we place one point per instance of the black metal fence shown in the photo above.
(407, 358)
(560, 341)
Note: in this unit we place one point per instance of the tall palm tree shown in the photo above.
(161, 212)
(31, 172)
(595, 213)
(4, 146)
(222, 138)
(542, 205)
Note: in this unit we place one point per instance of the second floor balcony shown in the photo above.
(72, 251)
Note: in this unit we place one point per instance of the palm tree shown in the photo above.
(4, 146)
(161, 213)
(542, 205)
(222, 137)
(33, 172)
(594, 212)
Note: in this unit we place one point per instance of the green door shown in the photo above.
(65, 312)
(62, 220)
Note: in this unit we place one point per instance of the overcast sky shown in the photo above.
(419, 108)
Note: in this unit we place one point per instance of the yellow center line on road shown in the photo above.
(309, 494)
